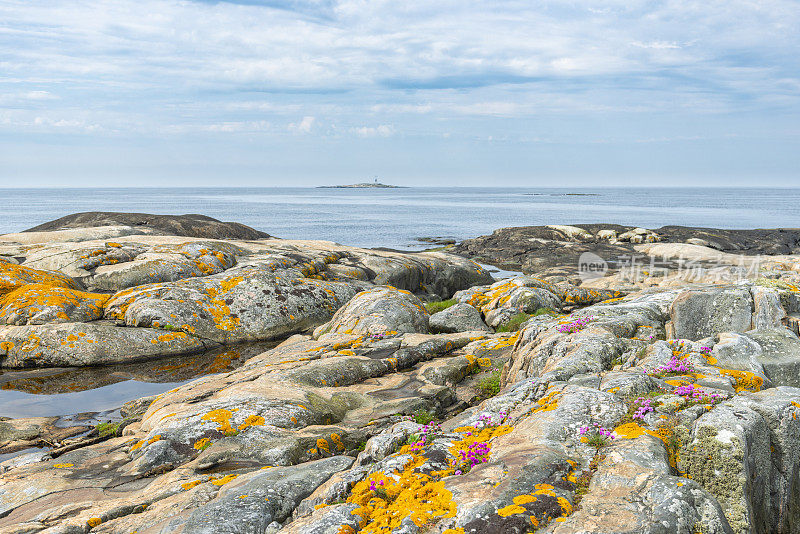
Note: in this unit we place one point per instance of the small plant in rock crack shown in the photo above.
(377, 487)
(642, 406)
(423, 416)
(596, 436)
(477, 453)
(675, 366)
(575, 325)
(695, 395)
(489, 386)
(427, 434)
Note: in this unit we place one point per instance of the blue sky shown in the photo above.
(256, 92)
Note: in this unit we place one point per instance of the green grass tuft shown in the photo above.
(423, 416)
(107, 429)
(513, 324)
(435, 307)
(489, 386)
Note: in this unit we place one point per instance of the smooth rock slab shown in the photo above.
(458, 318)
(249, 504)
(697, 314)
(746, 453)
(75, 344)
(379, 311)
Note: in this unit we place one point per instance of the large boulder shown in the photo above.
(378, 311)
(746, 453)
(41, 304)
(696, 314)
(458, 318)
(14, 276)
(95, 343)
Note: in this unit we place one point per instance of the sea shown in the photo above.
(397, 218)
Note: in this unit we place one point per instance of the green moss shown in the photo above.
(489, 386)
(775, 284)
(423, 417)
(107, 429)
(513, 324)
(435, 307)
(718, 468)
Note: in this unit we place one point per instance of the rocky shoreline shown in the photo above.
(410, 392)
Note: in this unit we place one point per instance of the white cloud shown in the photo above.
(304, 126)
(382, 130)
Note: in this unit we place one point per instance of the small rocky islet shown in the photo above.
(410, 392)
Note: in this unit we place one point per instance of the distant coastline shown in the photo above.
(365, 185)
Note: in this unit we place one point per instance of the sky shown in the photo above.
(415, 92)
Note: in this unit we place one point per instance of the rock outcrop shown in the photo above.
(142, 296)
(666, 409)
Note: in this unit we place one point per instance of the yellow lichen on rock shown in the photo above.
(14, 276)
(222, 417)
(408, 493)
(252, 420)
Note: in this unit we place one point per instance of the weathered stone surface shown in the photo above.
(42, 304)
(191, 225)
(377, 312)
(696, 314)
(634, 491)
(14, 276)
(96, 343)
(251, 503)
(292, 439)
(458, 318)
(746, 454)
(535, 249)
(18, 434)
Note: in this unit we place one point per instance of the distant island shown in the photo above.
(365, 185)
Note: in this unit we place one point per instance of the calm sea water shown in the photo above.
(396, 217)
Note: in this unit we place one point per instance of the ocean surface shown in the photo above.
(395, 218)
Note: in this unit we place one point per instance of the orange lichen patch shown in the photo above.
(6, 346)
(322, 444)
(511, 509)
(14, 276)
(631, 431)
(93, 522)
(320, 505)
(337, 440)
(62, 466)
(69, 304)
(252, 420)
(347, 529)
(547, 403)
(190, 485)
(453, 531)
(745, 380)
(347, 352)
(220, 416)
(484, 362)
(173, 414)
(219, 310)
(224, 480)
(675, 382)
(166, 338)
(407, 493)
(544, 489)
(524, 499)
(566, 506)
(201, 444)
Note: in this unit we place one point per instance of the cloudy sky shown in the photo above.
(417, 92)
